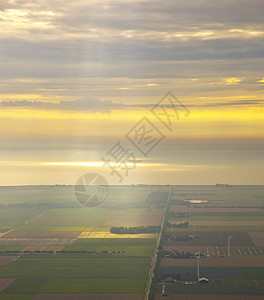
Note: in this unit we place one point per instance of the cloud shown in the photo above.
(231, 81)
(131, 30)
(99, 39)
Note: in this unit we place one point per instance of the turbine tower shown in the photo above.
(198, 265)
(228, 244)
(163, 290)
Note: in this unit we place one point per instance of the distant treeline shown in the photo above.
(59, 252)
(135, 230)
(180, 225)
(90, 252)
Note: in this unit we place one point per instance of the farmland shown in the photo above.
(65, 249)
(76, 275)
(214, 238)
(219, 261)
(50, 246)
(213, 215)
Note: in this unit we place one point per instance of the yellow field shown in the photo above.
(108, 235)
(2, 233)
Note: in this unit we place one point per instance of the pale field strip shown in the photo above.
(4, 282)
(218, 250)
(191, 249)
(3, 233)
(183, 208)
(108, 235)
(4, 260)
(227, 261)
(257, 238)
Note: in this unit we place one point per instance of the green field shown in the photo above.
(208, 272)
(77, 285)
(111, 272)
(26, 285)
(10, 218)
(37, 195)
(76, 268)
(114, 242)
(54, 208)
(11, 248)
(16, 297)
(212, 289)
(252, 273)
(76, 275)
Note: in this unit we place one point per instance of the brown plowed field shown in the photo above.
(218, 238)
(228, 261)
(257, 238)
(88, 297)
(237, 198)
(4, 282)
(225, 223)
(209, 297)
(191, 249)
(4, 260)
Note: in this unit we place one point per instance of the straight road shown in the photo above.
(154, 259)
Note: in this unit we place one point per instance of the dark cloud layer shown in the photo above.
(94, 103)
(130, 39)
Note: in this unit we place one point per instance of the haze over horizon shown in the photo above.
(77, 77)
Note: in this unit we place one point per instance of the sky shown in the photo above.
(155, 92)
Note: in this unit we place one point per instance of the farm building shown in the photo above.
(203, 280)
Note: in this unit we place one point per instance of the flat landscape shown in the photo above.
(224, 232)
(52, 247)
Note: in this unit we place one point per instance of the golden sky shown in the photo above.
(77, 77)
